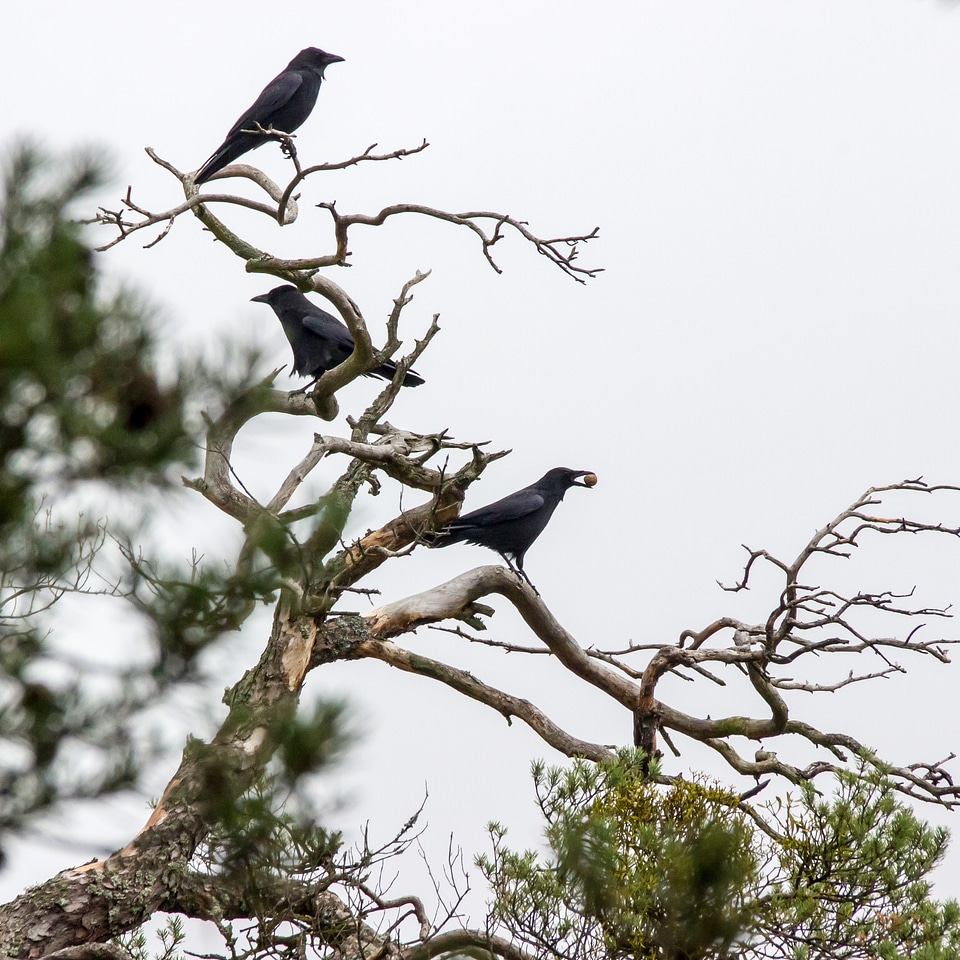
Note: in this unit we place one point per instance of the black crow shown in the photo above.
(320, 340)
(510, 525)
(286, 101)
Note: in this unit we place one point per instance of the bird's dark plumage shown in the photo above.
(284, 103)
(511, 525)
(320, 341)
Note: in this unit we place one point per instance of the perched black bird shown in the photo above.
(510, 525)
(320, 340)
(286, 101)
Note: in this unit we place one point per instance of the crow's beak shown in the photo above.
(263, 298)
(327, 60)
(589, 479)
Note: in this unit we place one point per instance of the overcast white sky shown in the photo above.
(776, 330)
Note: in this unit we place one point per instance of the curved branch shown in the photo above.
(286, 211)
(465, 683)
(456, 595)
(217, 483)
(561, 251)
(467, 942)
(302, 175)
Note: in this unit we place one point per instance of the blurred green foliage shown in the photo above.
(80, 403)
(87, 416)
(79, 393)
(687, 870)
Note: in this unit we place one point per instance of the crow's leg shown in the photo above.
(521, 573)
(310, 385)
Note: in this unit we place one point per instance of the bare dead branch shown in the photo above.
(344, 164)
(561, 251)
(744, 581)
(448, 599)
(286, 211)
(465, 683)
(833, 687)
(934, 772)
(699, 638)
(466, 942)
(415, 904)
(296, 477)
(217, 483)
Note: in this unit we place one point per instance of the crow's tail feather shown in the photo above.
(442, 537)
(231, 148)
(388, 371)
